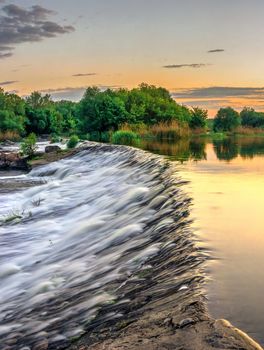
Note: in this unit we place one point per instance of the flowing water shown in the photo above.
(73, 229)
(227, 186)
(78, 235)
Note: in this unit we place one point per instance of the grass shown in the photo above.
(125, 137)
(9, 135)
(246, 131)
(12, 217)
(170, 131)
(166, 131)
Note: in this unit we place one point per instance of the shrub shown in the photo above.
(55, 139)
(125, 137)
(28, 146)
(73, 141)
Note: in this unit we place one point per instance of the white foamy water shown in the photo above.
(63, 242)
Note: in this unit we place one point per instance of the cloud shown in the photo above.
(216, 51)
(8, 82)
(219, 92)
(192, 65)
(216, 97)
(84, 74)
(20, 25)
(74, 93)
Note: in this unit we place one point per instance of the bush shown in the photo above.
(55, 139)
(28, 146)
(125, 137)
(73, 141)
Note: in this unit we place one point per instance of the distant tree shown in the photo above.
(67, 110)
(101, 111)
(12, 113)
(152, 105)
(251, 118)
(227, 119)
(198, 118)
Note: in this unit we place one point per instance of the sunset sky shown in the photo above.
(206, 52)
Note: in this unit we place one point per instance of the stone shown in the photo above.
(13, 161)
(41, 345)
(52, 149)
(186, 322)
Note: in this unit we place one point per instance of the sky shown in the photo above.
(207, 53)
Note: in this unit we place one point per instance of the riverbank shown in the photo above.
(152, 287)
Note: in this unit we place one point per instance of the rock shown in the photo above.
(52, 149)
(41, 345)
(168, 322)
(186, 322)
(13, 161)
(8, 143)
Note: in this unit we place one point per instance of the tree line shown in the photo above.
(227, 119)
(99, 112)
(96, 113)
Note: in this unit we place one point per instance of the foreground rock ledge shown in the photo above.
(206, 335)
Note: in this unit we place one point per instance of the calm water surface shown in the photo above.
(227, 187)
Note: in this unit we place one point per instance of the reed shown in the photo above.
(162, 131)
(9, 135)
(243, 130)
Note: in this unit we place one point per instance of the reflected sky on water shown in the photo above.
(227, 186)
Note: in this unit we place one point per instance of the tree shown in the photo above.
(251, 118)
(227, 119)
(28, 146)
(12, 113)
(198, 118)
(101, 111)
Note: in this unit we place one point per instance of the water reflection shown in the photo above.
(182, 150)
(227, 186)
(195, 148)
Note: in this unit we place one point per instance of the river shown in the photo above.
(226, 182)
(78, 235)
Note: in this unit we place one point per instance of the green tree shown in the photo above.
(28, 146)
(101, 111)
(227, 119)
(198, 118)
(251, 118)
(12, 113)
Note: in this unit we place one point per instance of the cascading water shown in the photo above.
(68, 242)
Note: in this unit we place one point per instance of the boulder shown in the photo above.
(13, 161)
(52, 149)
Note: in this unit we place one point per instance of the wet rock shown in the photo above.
(168, 322)
(186, 322)
(41, 345)
(13, 161)
(52, 149)
(7, 143)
